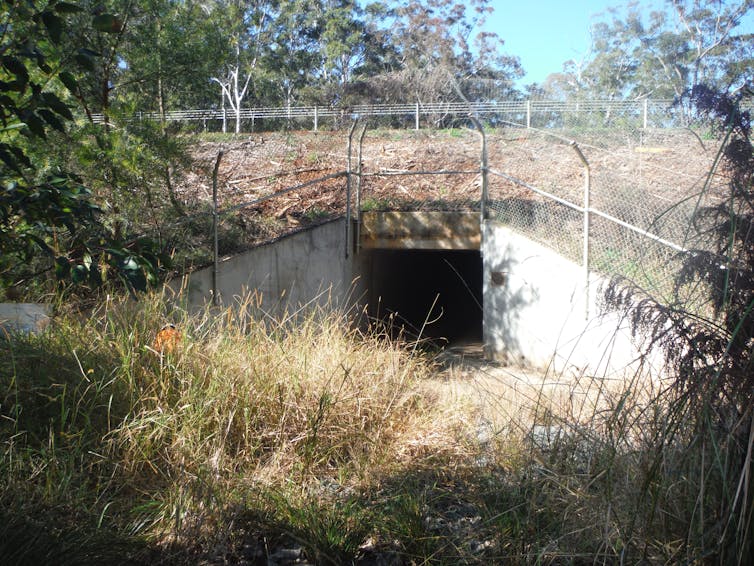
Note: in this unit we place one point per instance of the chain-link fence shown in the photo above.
(634, 191)
(432, 172)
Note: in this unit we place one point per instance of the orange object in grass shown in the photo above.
(167, 339)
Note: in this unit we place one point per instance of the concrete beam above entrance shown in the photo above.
(420, 230)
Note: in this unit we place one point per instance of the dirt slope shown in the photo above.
(635, 168)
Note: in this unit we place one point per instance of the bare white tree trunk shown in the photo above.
(231, 90)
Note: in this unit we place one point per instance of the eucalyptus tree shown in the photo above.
(638, 51)
(441, 50)
(292, 56)
(173, 47)
(354, 45)
(248, 28)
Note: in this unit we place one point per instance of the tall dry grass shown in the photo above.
(98, 423)
(257, 434)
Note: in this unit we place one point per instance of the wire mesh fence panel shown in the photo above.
(645, 194)
(537, 187)
(643, 190)
(266, 189)
(444, 176)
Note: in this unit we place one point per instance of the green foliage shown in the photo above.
(663, 52)
(48, 218)
(330, 531)
(711, 400)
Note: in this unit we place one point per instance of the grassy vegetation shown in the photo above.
(256, 436)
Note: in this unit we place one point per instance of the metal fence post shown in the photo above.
(585, 247)
(483, 169)
(416, 116)
(348, 186)
(316, 117)
(357, 237)
(646, 111)
(528, 114)
(215, 252)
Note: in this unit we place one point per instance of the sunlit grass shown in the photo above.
(255, 434)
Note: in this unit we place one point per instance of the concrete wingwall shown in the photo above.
(534, 301)
(303, 268)
(536, 311)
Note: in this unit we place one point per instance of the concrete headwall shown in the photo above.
(535, 310)
(289, 272)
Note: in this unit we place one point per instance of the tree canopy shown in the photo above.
(640, 51)
(45, 208)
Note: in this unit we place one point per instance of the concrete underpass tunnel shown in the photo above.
(441, 287)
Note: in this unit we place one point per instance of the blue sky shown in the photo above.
(546, 33)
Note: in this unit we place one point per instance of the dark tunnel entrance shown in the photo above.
(435, 294)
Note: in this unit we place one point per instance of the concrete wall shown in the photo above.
(534, 302)
(305, 266)
(23, 317)
(535, 310)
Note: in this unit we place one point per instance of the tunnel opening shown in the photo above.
(432, 294)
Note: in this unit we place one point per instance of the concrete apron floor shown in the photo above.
(506, 399)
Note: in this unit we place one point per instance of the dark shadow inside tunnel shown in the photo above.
(431, 294)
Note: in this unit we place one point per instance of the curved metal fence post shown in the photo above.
(483, 168)
(348, 184)
(585, 248)
(358, 188)
(215, 252)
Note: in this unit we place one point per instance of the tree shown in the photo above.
(710, 31)
(234, 89)
(247, 25)
(292, 58)
(172, 49)
(640, 53)
(46, 208)
(437, 58)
